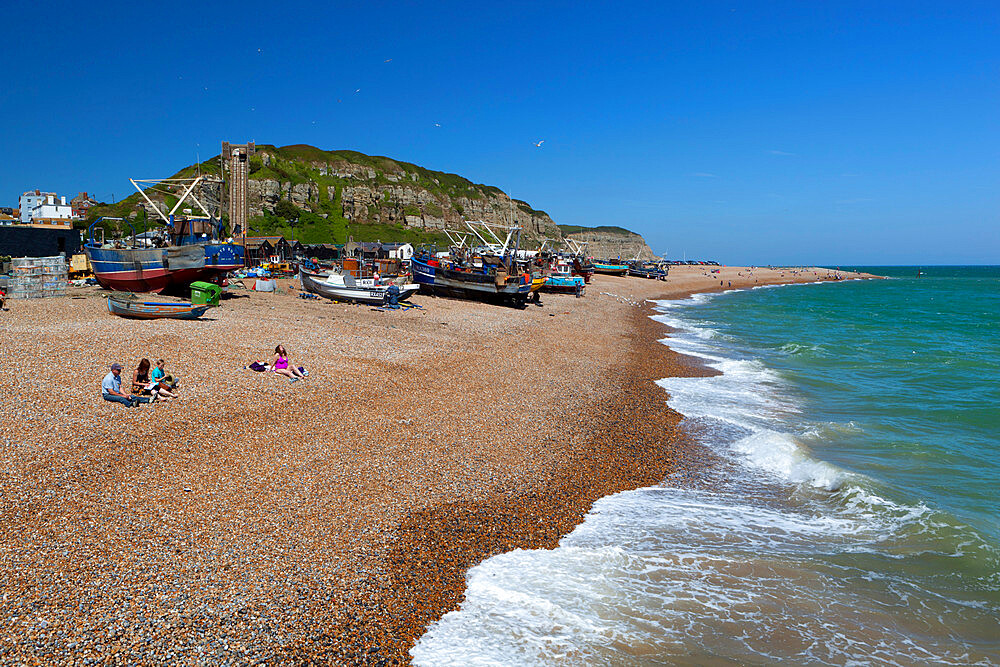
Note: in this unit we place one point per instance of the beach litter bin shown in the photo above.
(205, 293)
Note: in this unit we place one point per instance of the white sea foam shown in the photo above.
(667, 574)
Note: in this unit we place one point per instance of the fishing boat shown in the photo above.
(345, 287)
(584, 268)
(651, 272)
(187, 250)
(563, 279)
(486, 273)
(565, 283)
(130, 307)
(440, 276)
(610, 269)
(581, 266)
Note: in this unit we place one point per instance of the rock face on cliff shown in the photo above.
(363, 189)
(609, 242)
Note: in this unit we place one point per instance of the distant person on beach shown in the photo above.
(283, 366)
(111, 388)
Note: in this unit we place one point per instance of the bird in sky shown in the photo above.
(437, 124)
(260, 50)
(387, 60)
(358, 90)
(539, 144)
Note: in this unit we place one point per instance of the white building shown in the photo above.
(50, 208)
(399, 250)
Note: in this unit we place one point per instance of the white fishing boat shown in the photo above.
(345, 287)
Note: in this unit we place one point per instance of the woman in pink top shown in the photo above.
(283, 366)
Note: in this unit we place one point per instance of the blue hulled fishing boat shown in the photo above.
(187, 249)
(488, 273)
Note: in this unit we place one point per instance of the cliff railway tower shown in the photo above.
(237, 156)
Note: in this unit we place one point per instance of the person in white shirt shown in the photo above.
(111, 388)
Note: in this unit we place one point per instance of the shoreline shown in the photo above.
(319, 521)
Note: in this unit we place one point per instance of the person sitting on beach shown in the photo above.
(165, 382)
(163, 378)
(142, 386)
(283, 366)
(111, 388)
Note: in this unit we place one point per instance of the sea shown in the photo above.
(849, 513)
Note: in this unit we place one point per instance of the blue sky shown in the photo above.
(771, 132)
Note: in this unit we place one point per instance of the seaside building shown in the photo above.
(81, 205)
(7, 216)
(259, 249)
(378, 250)
(52, 212)
(27, 201)
(32, 241)
(323, 251)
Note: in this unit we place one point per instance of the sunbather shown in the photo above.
(283, 366)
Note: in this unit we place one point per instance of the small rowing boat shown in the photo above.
(130, 307)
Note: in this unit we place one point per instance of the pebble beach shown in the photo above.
(330, 520)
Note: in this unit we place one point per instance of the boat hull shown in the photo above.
(162, 269)
(652, 274)
(564, 284)
(611, 269)
(140, 310)
(373, 295)
(442, 281)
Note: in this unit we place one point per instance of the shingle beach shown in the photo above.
(328, 520)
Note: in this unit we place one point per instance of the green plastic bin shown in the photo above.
(205, 293)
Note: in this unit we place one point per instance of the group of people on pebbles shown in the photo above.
(149, 386)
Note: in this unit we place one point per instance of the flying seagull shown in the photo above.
(387, 60)
(358, 90)
(539, 144)
(437, 124)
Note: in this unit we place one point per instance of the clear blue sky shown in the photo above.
(770, 132)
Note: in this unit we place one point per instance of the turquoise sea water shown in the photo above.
(912, 363)
(850, 515)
